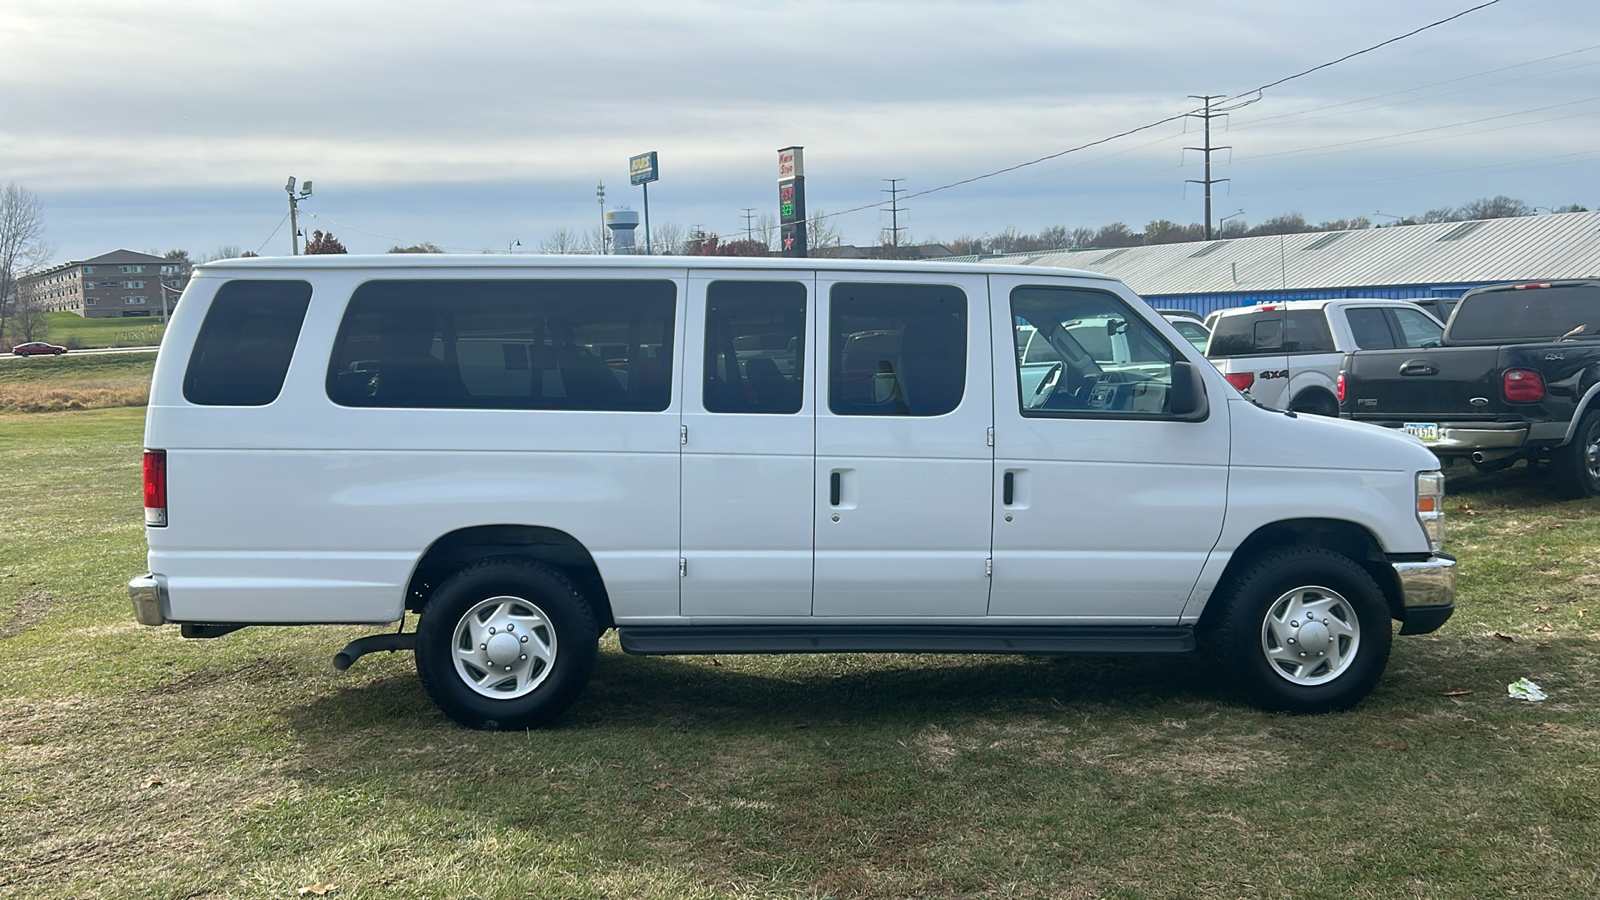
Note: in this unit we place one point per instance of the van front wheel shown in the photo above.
(506, 644)
(1303, 630)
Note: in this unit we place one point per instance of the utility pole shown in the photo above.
(294, 213)
(1206, 116)
(894, 191)
(749, 216)
(600, 191)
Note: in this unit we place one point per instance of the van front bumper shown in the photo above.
(1427, 592)
(149, 595)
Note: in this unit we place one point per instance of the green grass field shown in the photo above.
(138, 764)
(73, 330)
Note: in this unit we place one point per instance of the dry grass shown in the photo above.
(52, 384)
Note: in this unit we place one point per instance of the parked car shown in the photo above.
(1191, 328)
(722, 455)
(1287, 355)
(38, 348)
(1516, 376)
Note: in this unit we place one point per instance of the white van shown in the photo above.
(757, 456)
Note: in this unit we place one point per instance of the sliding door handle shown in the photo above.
(834, 481)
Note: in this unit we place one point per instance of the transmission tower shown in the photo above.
(1206, 116)
(894, 191)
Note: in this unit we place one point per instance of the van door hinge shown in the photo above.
(991, 435)
(683, 567)
(683, 434)
(988, 567)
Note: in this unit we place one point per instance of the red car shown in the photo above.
(35, 348)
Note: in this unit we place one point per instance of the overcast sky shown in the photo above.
(155, 124)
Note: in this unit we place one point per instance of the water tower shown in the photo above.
(622, 222)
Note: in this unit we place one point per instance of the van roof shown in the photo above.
(535, 261)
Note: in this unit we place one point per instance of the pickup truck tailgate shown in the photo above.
(1458, 383)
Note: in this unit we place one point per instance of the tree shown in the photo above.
(226, 251)
(323, 244)
(1166, 231)
(424, 247)
(1435, 216)
(22, 246)
(821, 232)
(666, 239)
(1114, 235)
(1497, 207)
(1288, 223)
(28, 322)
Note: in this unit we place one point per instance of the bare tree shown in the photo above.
(226, 251)
(562, 240)
(1498, 207)
(666, 239)
(820, 231)
(424, 247)
(28, 322)
(22, 246)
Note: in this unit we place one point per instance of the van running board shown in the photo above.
(673, 640)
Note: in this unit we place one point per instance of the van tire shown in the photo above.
(1263, 614)
(524, 615)
(1576, 466)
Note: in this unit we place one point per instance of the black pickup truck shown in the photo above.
(1516, 377)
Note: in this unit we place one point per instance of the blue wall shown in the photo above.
(1205, 303)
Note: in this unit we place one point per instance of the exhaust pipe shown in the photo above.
(1483, 456)
(372, 644)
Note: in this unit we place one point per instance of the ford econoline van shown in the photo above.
(757, 456)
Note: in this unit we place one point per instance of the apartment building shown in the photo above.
(119, 284)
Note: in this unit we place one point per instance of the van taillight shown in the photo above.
(1338, 386)
(155, 488)
(1523, 386)
(1241, 380)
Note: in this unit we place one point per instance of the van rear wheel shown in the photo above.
(1303, 630)
(506, 644)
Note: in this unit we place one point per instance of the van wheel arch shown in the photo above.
(1345, 538)
(456, 550)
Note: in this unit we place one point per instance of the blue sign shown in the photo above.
(642, 169)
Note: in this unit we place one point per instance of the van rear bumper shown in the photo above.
(1427, 592)
(149, 595)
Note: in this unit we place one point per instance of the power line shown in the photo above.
(1257, 92)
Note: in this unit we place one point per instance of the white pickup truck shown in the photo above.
(1287, 355)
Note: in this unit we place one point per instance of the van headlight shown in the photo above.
(1430, 507)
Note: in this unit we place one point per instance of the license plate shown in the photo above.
(1428, 431)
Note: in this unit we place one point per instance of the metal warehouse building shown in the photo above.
(1405, 262)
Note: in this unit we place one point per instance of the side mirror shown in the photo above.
(1188, 397)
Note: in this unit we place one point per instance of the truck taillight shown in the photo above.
(1241, 380)
(155, 488)
(1338, 386)
(1523, 386)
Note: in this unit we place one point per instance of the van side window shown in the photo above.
(575, 345)
(1083, 352)
(755, 346)
(896, 349)
(246, 342)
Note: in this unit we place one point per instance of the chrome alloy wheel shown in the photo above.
(1310, 635)
(1591, 455)
(504, 647)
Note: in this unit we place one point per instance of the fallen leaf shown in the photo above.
(1504, 637)
(1548, 726)
(1543, 549)
(1581, 612)
(1463, 508)
(1541, 609)
(715, 661)
(658, 767)
(1545, 627)
(800, 725)
(152, 781)
(1541, 646)
(660, 786)
(1558, 525)
(319, 889)
(1456, 693)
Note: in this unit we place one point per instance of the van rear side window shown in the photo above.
(246, 342)
(578, 345)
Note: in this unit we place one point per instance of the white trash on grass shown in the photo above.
(1523, 689)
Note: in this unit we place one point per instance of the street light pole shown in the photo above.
(294, 214)
(600, 192)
